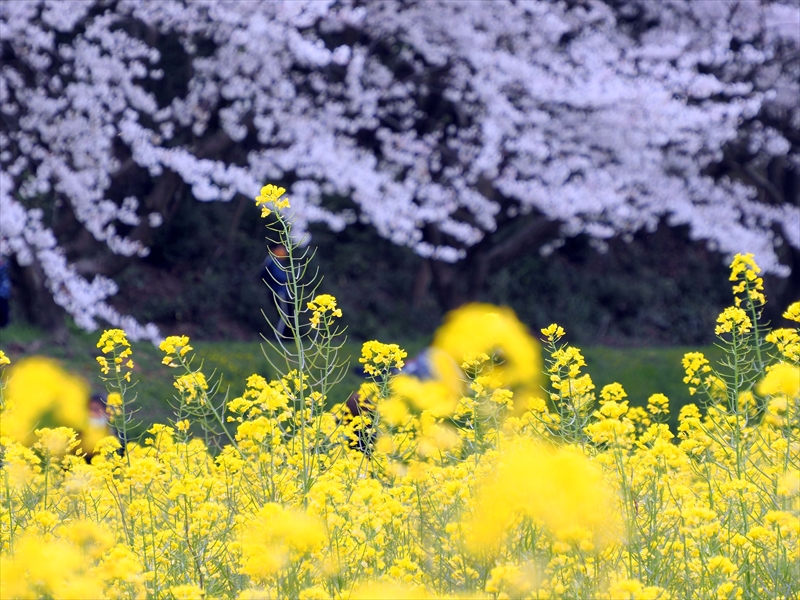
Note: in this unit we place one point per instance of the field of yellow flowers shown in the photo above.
(501, 473)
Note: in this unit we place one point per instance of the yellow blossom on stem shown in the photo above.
(270, 194)
(174, 345)
(787, 341)
(782, 379)
(553, 332)
(322, 305)
(112, 338)
(658, 404)
(733, 320)
(745, 270)
(191, 384)
(694, 364)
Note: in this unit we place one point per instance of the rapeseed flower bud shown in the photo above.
(4, 360)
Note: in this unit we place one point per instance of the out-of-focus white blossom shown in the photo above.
(445, 114)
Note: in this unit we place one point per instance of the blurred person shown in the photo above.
(5, 291)
(276, 275)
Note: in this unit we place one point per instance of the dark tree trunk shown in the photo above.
(465, 281)
(37, 302)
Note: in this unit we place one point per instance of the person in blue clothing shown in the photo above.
(5, 291)
(275, 273)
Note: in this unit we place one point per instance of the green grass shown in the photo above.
(641, 371)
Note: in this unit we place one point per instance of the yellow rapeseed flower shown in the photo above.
(174, 345)
(787, 341)
(270, 194)
(379, 358)
(192, 385)
(745, 270)
(112, 338)
(322, 305)
(793, 312)
(733, 320)
(695, 364)
(658, 404)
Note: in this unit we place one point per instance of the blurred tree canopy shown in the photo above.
(461, 150)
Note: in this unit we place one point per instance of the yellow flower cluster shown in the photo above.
(733, 320)
(192, 386)
(270, 194)
(514, 356)
(745, 271)
(695, 364)
(787, 342)
(320, 306)
(174, 346)
(379, 358)
(115, 342)
(553, 332)
(793, 312)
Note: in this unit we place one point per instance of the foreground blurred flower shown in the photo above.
(782, 380)
(559, 487)
(40, 393)
(274, 537)
(496, 331)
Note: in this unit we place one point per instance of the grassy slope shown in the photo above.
(641, 371)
